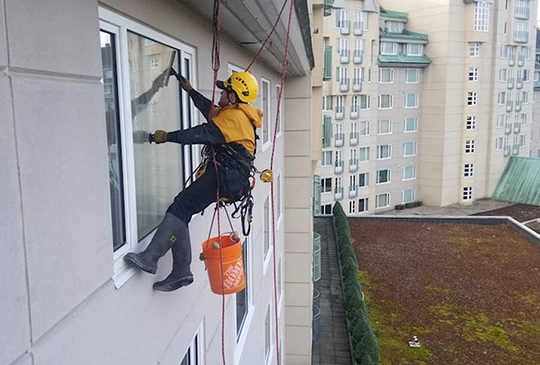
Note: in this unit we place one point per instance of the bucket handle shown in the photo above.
(234, 237)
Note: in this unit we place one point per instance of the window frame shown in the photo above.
(406, 100)
(414, 147)
(404, 173)
(196, 357)
(474, 49)
(417, 78)
(377, 201)
(267, 209)
(266, 109)
(415, 120)
(242, 333)
(388, 176)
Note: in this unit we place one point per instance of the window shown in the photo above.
(363, 205)
(327, 158)
(522, 141)
(383, 176)
(327, 103)
(394, 27)
(409, 149)
(341, 18)
(195, 352)
(243, 298)
(363, 179)
(326, 185)
(525, 97)
(526, 52)
(501, 97)
(474, 49)
(363, 154)
(384, 126)
(473, 74)
(382, 200)
(408, 195)
(411, 100)
(326, 209)
(470, 122)
(469, 146)
(267, 335)
(521, 32)
(280, 121)
(265, 100)
(342, 74)
(279, 196)
(365, 102)
(352, 206)
(364, 128)
(409, 172)
(502, 75)
(386, 75)
(384, 151)
(279, 279)
(481, 16)
(388, 48)
(386, 101)
(526, 75)
(498, 143)
(139, 199)
(410, 125)
(504, 51)
(412, 76)
(500, 120)
(523, 119)
(467, 193)
(468, 170)
(472, 98)
(414, 49)
(267, 223)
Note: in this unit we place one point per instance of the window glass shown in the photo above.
(242, 298)
(265, 100)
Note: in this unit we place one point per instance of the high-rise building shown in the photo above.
(441, 97)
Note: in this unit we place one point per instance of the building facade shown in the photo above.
(445, 100)
(81, 187)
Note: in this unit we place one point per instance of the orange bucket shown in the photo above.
(233, 264)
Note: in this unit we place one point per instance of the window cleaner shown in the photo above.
(230, 131)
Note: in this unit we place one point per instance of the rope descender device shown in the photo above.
(266, 175)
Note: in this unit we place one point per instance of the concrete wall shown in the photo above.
(59, 301)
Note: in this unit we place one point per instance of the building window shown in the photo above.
(468, 170)
(470, 122)
(409, 172)
(502, 75)
(498, 143)
(267, 224)
(411, 100)
(326, 209)
(473, 74)
(501, 97)
(365, 102)
(364, 128)
(409, 149)
(327, 158)
(500, 120)
(481, 16)
(522, 142)
(382, 200)
(352, 206)
(341, 18)
(410, 125)
(327, 103)
(467, 193)
(363, 179)
(384, 151)
(267, 335)
(388, 48)
(474, 49)
(384, 126)
(386, 101)
(414, 49)
(523, 119)
(408, 195)
(136, 210)
(279, 196)
(280, 121)
(194, 354)
(243, 298)
(265, 100)
(386, 75)
(383, 176)
(469, 146)
(363, 205)
(326, 185)
(412, 76)
(363, 154)
(394, 27)
(472, 98)
(279, 279)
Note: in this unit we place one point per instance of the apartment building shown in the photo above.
(446, 99)
(81, 187)
(535, 127)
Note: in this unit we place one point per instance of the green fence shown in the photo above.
(364, 346)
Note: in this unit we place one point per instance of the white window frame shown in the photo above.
(366, 179)
(364, 128)
(406, 101)
(365, 205)
(386, 73)
(198, 342)
(503, 74)
(364, 101)
(472, 98)
(481, 16)
(469, 146)
(390, 101)
(473, 74)
(325, 161)
(474, 49)
(389, 175)
(267, 209)
(363, 151)
(414, 148)
(468, 170)
(413, 195)
(381, 123)
(410, 71)
(385, 48)
(241, 337)
(381, 149)
(377, 200)
(498, 143)
(415, 124)
(266, 137)
(411, 46)
(281, 108)
(467, 193)
(470, 122)
(404, 173)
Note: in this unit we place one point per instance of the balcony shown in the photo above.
(358, 56)
(354, 112)
(338, 167)
(353, 192)
(340, 112)
(344, 85)
(506, 151)
(508, 128)
(509, 105)
(353, 165)
(512, 60)
(515, 149)
(518, 106)
(339, 140)
(353, 139)
(521, 36)
(521, 60)
(517, 128)
(346, 27)
(345, 56)
(522, 13)
(338, 193)
(358, 28)
(510, 83)
(519, 83)
(357, 84)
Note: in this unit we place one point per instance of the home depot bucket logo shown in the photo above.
(234, 275)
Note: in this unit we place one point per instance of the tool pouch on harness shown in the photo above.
(233, 182)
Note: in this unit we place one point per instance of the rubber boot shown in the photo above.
(169, 231)
(181, 274)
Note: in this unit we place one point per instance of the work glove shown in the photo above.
(184, 83)
(159, 137)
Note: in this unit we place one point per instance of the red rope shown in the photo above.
(276, 124)
(268, 36)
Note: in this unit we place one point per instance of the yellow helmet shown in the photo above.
(243, 83)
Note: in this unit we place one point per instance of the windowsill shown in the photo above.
(123, 275)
